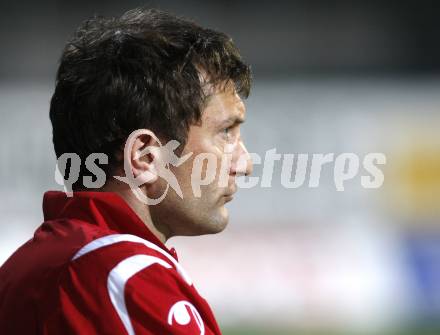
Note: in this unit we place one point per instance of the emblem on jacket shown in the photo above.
(182, 313)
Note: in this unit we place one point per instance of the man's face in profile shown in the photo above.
(217, 135)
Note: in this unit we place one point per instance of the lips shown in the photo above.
(230, 195)
(230, 191)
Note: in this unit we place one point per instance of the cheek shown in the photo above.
(231, 148)
(204, 141)
(207, 144)
(204, 146)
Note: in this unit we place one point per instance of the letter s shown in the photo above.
(96, 170)
(377, 177)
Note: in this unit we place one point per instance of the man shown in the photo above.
(98, 263)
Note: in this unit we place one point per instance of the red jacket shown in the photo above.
(93, 267)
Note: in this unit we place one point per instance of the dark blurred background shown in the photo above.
(277, 37)
(329, 76)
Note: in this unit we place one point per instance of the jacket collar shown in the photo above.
(104, 209)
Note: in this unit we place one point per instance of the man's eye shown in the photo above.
(226, 132)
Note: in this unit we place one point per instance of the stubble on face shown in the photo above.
(217, 133)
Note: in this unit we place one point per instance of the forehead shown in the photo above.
(223, 104)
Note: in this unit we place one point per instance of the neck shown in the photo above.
(142, 210)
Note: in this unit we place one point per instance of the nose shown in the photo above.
(242, 161)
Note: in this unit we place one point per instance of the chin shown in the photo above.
(219, 221)
(216, 223)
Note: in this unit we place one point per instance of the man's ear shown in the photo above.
(142, 155)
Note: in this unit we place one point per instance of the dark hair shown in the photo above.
(141, 70)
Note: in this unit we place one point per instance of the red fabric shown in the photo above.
(44, 291)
